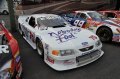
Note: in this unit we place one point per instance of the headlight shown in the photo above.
(98, 43)
(66, 52)
(5, 74)
(63, 52)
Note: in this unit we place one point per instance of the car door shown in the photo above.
(29, 30)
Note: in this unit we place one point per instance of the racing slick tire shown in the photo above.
(5, 12)
(105, 34)
(39, 47)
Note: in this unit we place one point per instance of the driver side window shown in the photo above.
(32, 22)
(83, 16)
(111, 15)
(78, 15)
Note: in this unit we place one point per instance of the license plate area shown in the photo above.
(88, 56)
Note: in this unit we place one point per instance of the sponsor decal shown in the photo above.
(84, 44)
(32, 36)
(29, 35)
(93, 37)
(4, 49)
(65, 35)
(69, 62)
(18, 59)
(47, 48)
(116, 37)
(50, 60)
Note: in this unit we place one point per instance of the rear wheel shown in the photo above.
(40, 48)
(105, 34)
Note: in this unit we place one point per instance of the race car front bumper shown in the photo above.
(75, 62)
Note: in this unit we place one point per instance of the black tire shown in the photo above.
(39, 47)
(105, 34)
(5, 12)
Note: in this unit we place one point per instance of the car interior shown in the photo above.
(110, 15)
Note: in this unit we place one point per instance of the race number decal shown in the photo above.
(4, 49)
(65, 35)
(79, 23)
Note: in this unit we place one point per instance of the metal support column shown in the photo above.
(12, 15)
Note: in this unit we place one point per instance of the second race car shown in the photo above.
(62, 46)
(10, 61)
(105, 28)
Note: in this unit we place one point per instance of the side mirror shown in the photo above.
(27, 19)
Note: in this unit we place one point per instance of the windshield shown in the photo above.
(51, 21)
(97, 16)
(71, 15)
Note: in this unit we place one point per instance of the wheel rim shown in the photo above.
(104, 35)
(40, 48)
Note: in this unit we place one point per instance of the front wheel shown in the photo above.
(40, 48)
(105, 34)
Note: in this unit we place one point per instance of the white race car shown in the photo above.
(62, 46)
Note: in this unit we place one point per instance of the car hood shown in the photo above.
(68, 37)
(5, 55)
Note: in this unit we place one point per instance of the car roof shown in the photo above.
(44, 15)
(84, 11)
(113, 11)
